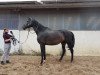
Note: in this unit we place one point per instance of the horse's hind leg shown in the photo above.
(63, 51)
(72, 51)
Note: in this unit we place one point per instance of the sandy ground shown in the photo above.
(30, 65)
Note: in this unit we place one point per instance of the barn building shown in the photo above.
(82, 17)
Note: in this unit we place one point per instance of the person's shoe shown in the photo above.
(2, 63)
(7, 61)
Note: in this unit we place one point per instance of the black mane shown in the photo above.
(38, 27)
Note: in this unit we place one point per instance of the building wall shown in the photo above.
(87, 43)
(70, 19)
(9, 19)
(85, 24)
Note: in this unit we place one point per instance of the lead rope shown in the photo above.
(34, 31)
(26, 38)
(28, 35)
(20, 47)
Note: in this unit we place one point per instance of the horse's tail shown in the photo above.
(69, 38)
(73, 40)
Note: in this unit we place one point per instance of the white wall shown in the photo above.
(87, 43)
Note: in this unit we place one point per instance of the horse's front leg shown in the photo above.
(44, 52)
(43, 55)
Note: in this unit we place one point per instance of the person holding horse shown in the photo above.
(7, 46)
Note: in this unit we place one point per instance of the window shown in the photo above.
(90, 21)
(8, 20)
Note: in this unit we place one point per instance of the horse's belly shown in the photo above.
(52, 43)
(51, 38)
(54, 40)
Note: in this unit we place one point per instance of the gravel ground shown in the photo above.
(30, 65)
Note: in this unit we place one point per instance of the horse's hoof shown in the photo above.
(41, 64)
(44, 61)
(71, 61)
(59, 60)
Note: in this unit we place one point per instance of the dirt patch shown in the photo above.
(30, 65)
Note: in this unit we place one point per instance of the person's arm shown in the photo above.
(6, 40)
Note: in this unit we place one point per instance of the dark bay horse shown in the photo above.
(47, 36)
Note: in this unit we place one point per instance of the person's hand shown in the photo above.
(11, 37)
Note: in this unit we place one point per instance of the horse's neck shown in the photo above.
(40, 28)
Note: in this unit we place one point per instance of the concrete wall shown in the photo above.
(87, 43)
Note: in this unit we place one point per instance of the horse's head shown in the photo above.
(28, 24)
